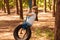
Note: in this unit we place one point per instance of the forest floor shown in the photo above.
(43, 29)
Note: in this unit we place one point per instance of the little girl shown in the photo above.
(31, 16)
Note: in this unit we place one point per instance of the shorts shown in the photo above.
(25, 25)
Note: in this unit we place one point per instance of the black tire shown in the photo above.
(16, 36)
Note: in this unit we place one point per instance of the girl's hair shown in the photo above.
(34, 7)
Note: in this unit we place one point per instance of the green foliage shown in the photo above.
(40, 3)
(25, 3)
(11, 3)
(48, 33)
(1, 3)
(38, 31)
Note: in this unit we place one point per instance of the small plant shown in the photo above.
(49, 34)
(38, 32)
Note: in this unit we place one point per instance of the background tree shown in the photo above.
(7, 6)
(45, 4)
(54, 8)
(21, 9)
(50, 5)
(36, 11)
(57, 22)
(30, 4)
(17, 7)
(4, 6)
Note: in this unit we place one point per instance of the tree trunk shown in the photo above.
(17, 7)
(30, 4)
(4, 7)
(57, 22)
(50, 5)
(45, 6)
(7, 6)
(21, 9)
(53, 8)
(36, 11)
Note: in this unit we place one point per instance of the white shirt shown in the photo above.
(31, 18)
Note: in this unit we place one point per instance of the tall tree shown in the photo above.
(17, 7)
(36, 11)
(45, 5)
(4, 7)
(7, 6)
(54, 8)
(2, 4)
(50, 5)
(30, 4)
(57, 22)
(21, 9)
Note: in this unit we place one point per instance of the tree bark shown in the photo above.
(50, 5)
(57, 22)
(54, 8)
(7, 6)
(4, 7)
(45, 6)
(21, 9)
(17, 7)
(36, 11)
(30, 4)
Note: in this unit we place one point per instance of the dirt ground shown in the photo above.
(9, 22)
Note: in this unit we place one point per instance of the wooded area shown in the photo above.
(48, 5)
(42, 5)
